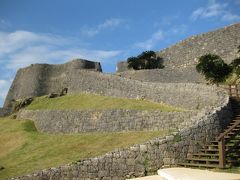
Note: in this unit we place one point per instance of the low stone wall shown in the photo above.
(165, 75)
(73, 121)
(184, 95)
(147, 158)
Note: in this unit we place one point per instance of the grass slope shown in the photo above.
(86, 101)
(24, 150)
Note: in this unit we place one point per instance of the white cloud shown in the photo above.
(230, 17)
(107, 24)
(160, 35)
(215, 10)
(4, 86)
(22, 48)
(152, 41)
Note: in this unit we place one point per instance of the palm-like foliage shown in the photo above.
(213, 68)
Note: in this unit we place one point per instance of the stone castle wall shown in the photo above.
(41, 79)
(180, 59)
(146, 158)
(4, 112)
(31, 81)
(74, 121)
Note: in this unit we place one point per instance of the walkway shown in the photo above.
(190, 174)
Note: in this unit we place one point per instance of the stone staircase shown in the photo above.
(225, 150)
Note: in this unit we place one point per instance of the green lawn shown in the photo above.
(24, 150)
(87, 101)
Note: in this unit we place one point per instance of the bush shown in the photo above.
(235, 64)
(213, 68)
(146, 60)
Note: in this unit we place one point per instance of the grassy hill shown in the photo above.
(85, 101)
(24, 150)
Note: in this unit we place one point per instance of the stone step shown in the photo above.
(209, 150)
(198, 165)
(205, 154)
(205, 160)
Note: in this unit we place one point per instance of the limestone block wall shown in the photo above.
(4, 112)
(165, 75)
(191, 96)
(63, 121)
(180, 59)
(41, 79)
(146, 158)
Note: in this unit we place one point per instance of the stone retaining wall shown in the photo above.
(42, 79)
(147, 158)
(73, 121)
(4, 112)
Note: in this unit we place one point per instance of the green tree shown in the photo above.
(146, 60)
(213, 68)
(235, 64)
(133, 63)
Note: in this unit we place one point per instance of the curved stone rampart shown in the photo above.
(165, 75)
(192, 96)
(180, 59)
(42, 79)
(32, 81)
(147, 158)
(73, 121)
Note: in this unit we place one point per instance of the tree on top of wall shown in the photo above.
(213, 68)
(146, 60)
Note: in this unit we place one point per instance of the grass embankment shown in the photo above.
(24, 150)
(86, 101)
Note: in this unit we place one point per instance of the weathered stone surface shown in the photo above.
(73, 121)
(147, 158)
(214, 113)
(180, 59)
(42, 79)
(4, 111)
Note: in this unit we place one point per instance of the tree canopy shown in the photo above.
(213, 68)
(146, 60)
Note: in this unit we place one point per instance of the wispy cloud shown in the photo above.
(161, 35)
(21, 48)
(215, 10)
(152, 41)
(111, 23)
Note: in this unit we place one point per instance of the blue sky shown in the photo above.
(55, 31)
